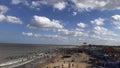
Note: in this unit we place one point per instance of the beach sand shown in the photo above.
(78, 60)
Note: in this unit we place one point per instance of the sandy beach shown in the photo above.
(63, 60)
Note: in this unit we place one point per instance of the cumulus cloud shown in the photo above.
(2, 18)
(25, 2)
(80, 5)
(99, 21)
(74, 13)
(81, 25)
(101, 35)
(35, 3)
(60, 5)
(41, 22)
(77, 36)
(3, 9)
(9, 19)
(116, 21)
(62, 31)
(27, 34)
(103, 31)
(87, 5)
(45, 36)
(70, 33)
(12, 19)
(16, 1)
(53, 37)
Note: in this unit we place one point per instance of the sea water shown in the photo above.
(7, 52)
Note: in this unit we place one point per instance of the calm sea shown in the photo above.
(18, 50)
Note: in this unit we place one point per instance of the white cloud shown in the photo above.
(76, 33)
(45, 36)
(9, 19)
(3, 9)
(53, 37)
(2, 18)
(12, 19)
(101, 35)
(15, 2)
(80, 5)
(79, 29)
(81, 25)
(74, 13)
(98, 34)
(35, 3)
(27, 34)
(116, 21)
(41, 22)
(101, 31)
(99, 21)
(60, 5)
(87, 5)
(109, 40)
(70, 33)
(57, 4)
(63, 31)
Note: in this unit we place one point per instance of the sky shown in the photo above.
(70, 22)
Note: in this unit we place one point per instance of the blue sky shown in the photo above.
(60, 21)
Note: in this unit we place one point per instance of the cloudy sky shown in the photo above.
(60, 21)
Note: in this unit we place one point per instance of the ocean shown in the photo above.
(13, 50)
